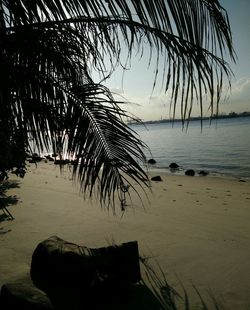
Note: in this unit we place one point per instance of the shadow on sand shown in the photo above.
(7, 200)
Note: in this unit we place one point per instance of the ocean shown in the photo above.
(222, 148)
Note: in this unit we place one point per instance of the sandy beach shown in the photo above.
(196, 228)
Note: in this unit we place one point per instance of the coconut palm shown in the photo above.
(48, 51)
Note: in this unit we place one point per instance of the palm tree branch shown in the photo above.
(186, 53)
(50, 92)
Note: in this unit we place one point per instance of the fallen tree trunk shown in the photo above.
(66, 271)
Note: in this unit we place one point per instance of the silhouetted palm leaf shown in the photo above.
(48, 50)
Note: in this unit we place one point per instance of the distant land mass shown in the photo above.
(194, 118)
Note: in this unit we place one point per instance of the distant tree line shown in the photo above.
(195, 118)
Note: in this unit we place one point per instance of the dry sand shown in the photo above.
(197, 228)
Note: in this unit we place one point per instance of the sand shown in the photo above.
(196, 228)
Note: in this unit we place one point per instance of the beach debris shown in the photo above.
(173, 166)
(115, 278)
(65, 271)
(156, 178)
(151, 161)
(203, 173)
(124, 189)
(190, 172)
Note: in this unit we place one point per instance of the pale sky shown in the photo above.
(136, 86)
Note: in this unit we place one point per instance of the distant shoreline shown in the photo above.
(194, 118)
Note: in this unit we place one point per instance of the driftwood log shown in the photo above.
(68, 273)
(67, 276)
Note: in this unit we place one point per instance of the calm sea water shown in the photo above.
(221, 148)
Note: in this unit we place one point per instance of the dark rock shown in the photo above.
(74, 162)
(32, 161)
(203, 173)
(242, 180)
(190, 172)
(36, 157)
(20, 172)
(173, 166)
(156, 178)
(151, 161)
(62, 161)
(22, 294)
(49, 158)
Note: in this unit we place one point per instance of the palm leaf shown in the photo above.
(96, 132)
(48, 50)
(193, 34)
(55, 100)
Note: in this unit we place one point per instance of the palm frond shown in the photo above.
(106, 149)
(48, 49)
(194, 35)
(55, 100)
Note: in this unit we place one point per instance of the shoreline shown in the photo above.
(196, 228)
(213, 174)
(221, 149)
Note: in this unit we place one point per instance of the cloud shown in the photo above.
(117, 91)
(238, 99)
(148, 107)
(157, 105)
(240, 90)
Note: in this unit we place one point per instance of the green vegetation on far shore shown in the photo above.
(195, 118)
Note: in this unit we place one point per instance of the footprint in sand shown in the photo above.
(191, 193)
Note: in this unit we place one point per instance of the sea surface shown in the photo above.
(222, 148)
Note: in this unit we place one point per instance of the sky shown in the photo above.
(136, 84)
